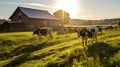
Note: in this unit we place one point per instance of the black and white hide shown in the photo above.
(86, 33)
(43, 31)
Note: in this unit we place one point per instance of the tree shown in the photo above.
(2, 21)
(63, 16)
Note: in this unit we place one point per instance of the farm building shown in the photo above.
(29, 19)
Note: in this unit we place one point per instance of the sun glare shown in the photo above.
(70, 6)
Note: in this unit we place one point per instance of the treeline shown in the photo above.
(86, 22)
(94, 22)
(2, 21)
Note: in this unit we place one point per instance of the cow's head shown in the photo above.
(35, 31)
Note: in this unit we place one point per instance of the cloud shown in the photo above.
(37, 4)
(29, 4)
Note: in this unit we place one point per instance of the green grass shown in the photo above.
(22, 49)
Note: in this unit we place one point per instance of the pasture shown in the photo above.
(22, 49)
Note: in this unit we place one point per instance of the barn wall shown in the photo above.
(54, 24)
(13, 27)
(34, 23)
(17, 27)
(37, 23)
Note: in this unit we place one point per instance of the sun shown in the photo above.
(70, 6)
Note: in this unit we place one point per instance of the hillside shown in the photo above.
(94, 22)
(22, 49)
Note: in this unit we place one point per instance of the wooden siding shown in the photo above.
(37, 23)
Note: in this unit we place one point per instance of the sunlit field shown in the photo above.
(22, 49)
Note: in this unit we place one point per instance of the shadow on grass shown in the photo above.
(22, 52)
(102, 50)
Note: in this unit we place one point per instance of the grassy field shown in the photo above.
(22, 49)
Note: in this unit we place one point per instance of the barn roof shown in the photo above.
(36, 14)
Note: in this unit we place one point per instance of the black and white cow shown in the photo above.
(100, 29)
(86, 33)
(43, 31)
(109, 28)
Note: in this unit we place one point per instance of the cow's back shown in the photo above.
(90, 34)
(43, 31)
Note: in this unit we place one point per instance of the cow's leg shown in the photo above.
(86, 42)
(83, 41)
(96, 38)
(93, 39)
(39, 36)
(50, 35)
(49, 32)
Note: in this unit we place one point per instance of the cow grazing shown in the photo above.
(109, 28)
(100, 30)
(86, 33)
(43, 31)
(94, 32)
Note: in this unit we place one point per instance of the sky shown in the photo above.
(78, 9)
